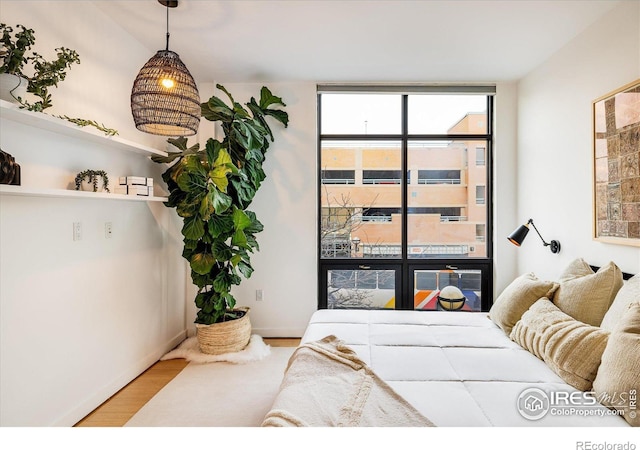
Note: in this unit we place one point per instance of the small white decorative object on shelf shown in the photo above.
(145, 191)
(135, 181)
(132, 185)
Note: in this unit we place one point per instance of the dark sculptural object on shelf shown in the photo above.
(9, 170)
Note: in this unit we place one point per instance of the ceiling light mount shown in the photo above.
(169, 3)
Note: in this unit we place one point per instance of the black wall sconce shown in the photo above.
(520, 233)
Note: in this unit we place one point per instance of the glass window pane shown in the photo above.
(361, 114)
(371, 289)
(429, 283)
(446, 200)
(447, 114)
(361, 213)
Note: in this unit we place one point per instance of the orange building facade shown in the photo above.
(446, 191)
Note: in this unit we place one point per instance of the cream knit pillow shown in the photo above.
(587, 298)
(629, 293)
(571, 349)
(517, 298)
(619, 374)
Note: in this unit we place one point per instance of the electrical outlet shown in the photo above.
(108, 230)
(259, 295)
(77, 231)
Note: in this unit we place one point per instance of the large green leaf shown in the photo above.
(193, 228)
(220, 201)
(281, 116)
(245, 269)
(201, 280)
(240, 219)
(212, 149)
(252, 243)
(181, 145)
(229, 300)
(239, 239)
(256, 154)
(206, 208)
(188, 207)
(267, 98)
(218, 176)
(220, 226)
(221, 167)
(255, 226)
(215, 109)
(202, 263)
(222, 282)
(222, 251)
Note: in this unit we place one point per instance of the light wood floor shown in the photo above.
(121, 407)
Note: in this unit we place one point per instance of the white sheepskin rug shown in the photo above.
(255, 350)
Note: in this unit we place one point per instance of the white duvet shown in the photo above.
(456, 368)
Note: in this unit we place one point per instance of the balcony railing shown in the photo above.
(438, 180)
(453, 218)
(338, 181)
(381, 181)
(376, 218)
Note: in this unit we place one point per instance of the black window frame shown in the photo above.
(405, 265)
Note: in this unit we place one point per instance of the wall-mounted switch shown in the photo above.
(108, 230)
(259, 295)
(77, 231)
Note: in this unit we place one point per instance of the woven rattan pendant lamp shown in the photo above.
(164, 97)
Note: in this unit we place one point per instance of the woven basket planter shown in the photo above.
(225, 337)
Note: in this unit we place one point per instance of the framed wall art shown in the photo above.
(616, 166)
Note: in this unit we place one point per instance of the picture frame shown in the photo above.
(616, 166)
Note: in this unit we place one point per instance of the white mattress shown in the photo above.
(456, 368)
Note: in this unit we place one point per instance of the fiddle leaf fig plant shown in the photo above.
(211, 189)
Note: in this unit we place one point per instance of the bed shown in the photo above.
(527, 362)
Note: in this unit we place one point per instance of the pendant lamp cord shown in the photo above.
(167, 27)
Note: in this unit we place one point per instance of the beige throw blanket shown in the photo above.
(326, 384)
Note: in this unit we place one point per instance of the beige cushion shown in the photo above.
(517, 298)
(629, 293)
(587, 298)
(571, 349)
(576, 268)
(619, 372)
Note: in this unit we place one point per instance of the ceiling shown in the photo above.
(358, 40)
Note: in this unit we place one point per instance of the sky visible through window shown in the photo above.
(380, 113)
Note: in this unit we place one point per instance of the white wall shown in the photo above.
(505, 182)
(555, 146)
(286, 265)
(79, 320)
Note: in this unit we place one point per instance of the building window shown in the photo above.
(480, 156)
(410, 209)
(481, 233)
(480, 195)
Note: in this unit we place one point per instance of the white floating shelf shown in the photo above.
(6, 189)
(44, 121)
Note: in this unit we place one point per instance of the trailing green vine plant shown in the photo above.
(92, 176)
(86, 122)
(44, 74)
(211, 189)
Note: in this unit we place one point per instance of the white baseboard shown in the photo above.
(101, 395)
